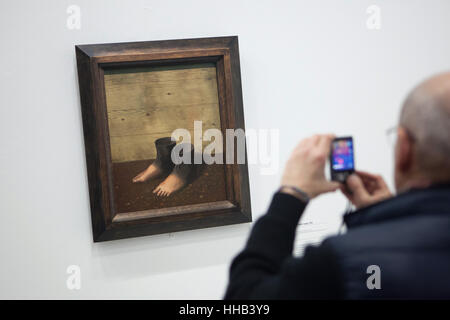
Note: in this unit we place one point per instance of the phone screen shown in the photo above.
(342, 155)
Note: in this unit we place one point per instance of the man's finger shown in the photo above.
(314, 140)
(373, 181)
(356, 186)
(306, 143)
(369, 179)
(381, 182)
(346, 192)
(332, 186)
(324, 143)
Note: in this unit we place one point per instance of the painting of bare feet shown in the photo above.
(156, 118)
(145, 106)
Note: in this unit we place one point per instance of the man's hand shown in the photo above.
(305, 168)
(364, 189)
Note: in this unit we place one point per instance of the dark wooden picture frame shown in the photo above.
(92, 60)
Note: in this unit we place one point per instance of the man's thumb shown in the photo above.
(356, 186)
(332, 186)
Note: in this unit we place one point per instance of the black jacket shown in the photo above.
(407, 237)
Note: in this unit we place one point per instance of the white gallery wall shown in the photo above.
(307, 67)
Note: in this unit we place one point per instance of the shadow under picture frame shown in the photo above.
(133, 97)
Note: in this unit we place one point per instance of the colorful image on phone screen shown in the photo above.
(342, 157)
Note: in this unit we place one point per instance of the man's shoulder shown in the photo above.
(401, 249)
(408, 232)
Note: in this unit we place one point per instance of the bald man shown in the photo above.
(395, 247)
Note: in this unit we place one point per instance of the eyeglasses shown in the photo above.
(392, 135)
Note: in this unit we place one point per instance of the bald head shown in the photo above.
(426, 117)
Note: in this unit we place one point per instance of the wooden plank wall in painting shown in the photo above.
(149, 103)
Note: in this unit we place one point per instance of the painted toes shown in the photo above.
(138, 178)
(158, 191)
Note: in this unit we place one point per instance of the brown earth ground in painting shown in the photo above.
(209, 186)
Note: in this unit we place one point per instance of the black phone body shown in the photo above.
(342, 161)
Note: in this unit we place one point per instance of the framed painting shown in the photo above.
(147, 108)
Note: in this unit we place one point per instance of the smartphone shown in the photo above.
(342, 162)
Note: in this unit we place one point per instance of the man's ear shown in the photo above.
(404, 155)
